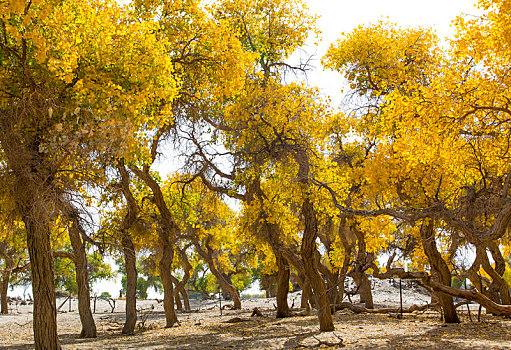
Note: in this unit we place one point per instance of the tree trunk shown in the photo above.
(283, 287)
(130, 262)
(177, 300)
(439, 265)
(305, 287)
(82, 280)
(345, 235)
(130, 258)
(179, 288)
(362, 263)
(332, 280)
(6, 274)
(43, 280)
(186, 299)
(268, 283)
(499, 284)
(366, 295)
(167, 227)
(224, 283)
(308, 252)
(165, 268)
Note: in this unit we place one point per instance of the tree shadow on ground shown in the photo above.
(364, 332)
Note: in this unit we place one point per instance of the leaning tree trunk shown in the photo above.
(43, 280)
(179, 288)
(271, 233)
(308, 251)
(440, 266)
(305, 287)
(499, 284)
(177, 300)
(130, 258)
(224, 283)
(167, 227)
(186, 299)
(131, 285)
(165, 267)
(283, 287)
(82, 281)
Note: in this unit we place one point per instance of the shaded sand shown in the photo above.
(205, 328)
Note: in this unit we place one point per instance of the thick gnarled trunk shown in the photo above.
(283, 287)
(311, 270)
(43, 282)
(442, 270)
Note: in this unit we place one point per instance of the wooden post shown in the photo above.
(95, 298)
(400, 299)
(468, 305)
(220, 300)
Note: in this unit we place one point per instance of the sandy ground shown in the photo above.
(205, 328)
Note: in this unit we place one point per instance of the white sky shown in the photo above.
(337, 16)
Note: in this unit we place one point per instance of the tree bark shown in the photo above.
(473, 295)
(283, 287)
(5, 286)
(270, 232)
(167, 227)
(268, 284)
(6, 275)
(165, 268)
(332, 280)
(306, 291)
(307, 252)
(366, 295)
(179, 288)
(130, 259)
(362, 263)
(186, 299)
(130, 263)
(177, 299)
(224, 283)
(439, 265)
(43, 281)
(499, 284)
(82, 280)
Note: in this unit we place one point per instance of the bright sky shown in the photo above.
(337, 16)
